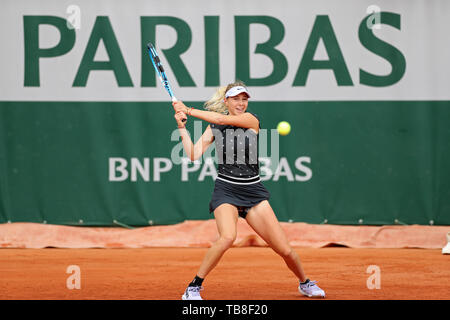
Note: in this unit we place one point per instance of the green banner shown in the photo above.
(109, 163)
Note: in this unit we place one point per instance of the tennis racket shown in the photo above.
(160, 71)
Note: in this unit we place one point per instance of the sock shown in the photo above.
(306, 281)
(197, 282)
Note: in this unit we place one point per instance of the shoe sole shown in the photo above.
(310, 295)
(183, 297)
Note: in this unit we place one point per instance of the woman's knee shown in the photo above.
(286, 252)
(226, 242)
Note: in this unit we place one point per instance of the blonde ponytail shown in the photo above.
(216, 103)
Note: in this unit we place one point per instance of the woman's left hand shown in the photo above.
(181, 119)
(179, 107)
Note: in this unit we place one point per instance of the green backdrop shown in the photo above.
(372, 162)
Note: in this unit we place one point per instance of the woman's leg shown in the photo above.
(226, 219)
(263, 220)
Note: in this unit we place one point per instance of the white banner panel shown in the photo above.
(324, 37)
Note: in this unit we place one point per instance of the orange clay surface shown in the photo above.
(248, 273)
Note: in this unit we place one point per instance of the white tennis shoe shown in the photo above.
(446, 249)
(192, 293)
(310, 289)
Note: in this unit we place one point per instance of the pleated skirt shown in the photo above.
(243, 197)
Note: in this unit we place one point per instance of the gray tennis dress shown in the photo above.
(238, 181)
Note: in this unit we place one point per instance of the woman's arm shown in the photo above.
(245, 120)
(194, 151)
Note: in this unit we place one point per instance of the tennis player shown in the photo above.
(238, 189)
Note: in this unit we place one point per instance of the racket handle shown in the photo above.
(173, 100)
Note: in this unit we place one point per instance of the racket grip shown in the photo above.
(173, 100)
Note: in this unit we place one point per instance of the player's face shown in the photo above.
(237, 104)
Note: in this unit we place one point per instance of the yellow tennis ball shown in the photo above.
(284, 128)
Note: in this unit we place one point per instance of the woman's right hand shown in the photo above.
(179, 117)
(179, 106)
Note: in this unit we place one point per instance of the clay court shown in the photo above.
(243, 274)
(248, 271)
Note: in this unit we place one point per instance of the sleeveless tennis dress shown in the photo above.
(238, 182)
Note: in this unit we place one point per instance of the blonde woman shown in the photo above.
(238, 190)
